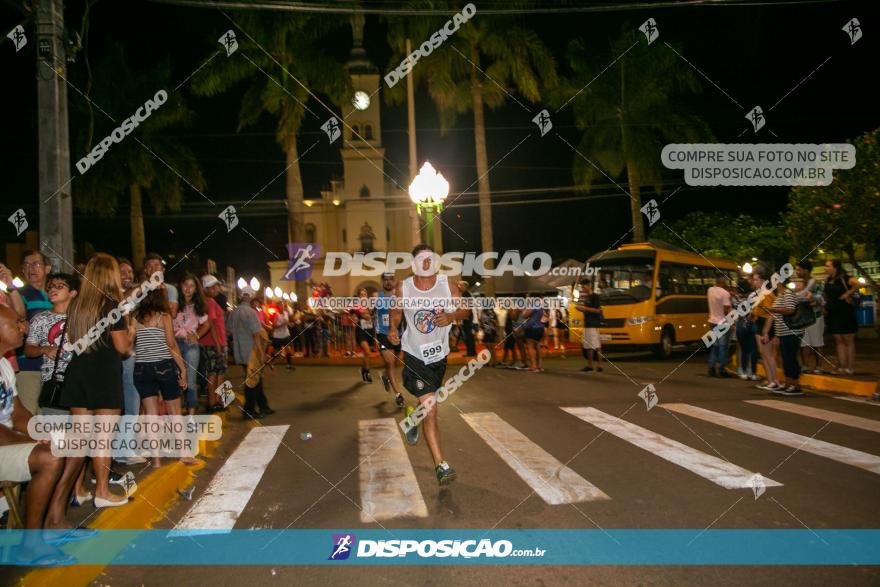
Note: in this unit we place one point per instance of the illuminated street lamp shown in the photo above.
(278, 292)
(255, 284)
(268, 293)
(428, 190)
(747, 268)
(241, 283)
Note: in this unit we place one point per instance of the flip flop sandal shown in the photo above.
(56, 537)
(59, 559)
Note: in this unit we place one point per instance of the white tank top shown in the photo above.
(422, 339)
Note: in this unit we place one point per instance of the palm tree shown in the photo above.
(477, 68)
(629, 112)
(286, 50)
(149, 161)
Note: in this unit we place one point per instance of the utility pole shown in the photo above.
(53, 149)
(413, 158)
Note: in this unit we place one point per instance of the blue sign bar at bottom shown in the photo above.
(457, 547)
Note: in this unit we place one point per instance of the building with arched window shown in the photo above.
(365, 200)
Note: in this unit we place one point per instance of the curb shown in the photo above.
(827, 383)
(157, 491)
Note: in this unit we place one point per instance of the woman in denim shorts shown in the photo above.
(158, 368)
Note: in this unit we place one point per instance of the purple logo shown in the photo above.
(342, 546)
(301, 257)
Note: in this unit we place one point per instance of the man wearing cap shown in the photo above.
(248, 345)
(213, 343)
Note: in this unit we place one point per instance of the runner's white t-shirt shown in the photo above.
(422, 339)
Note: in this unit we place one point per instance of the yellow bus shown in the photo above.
(653, 295)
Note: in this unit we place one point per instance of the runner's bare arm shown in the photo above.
(447, 318)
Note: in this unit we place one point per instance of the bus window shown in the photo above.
(673, 280)
(624, 281)
(694, 281)
(710, 274)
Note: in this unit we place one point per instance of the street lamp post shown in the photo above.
(428, 190)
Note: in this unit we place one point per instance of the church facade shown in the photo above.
(364, 211)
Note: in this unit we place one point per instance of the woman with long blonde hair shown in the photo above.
(93, 380)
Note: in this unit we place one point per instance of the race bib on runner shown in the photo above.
(366, 324)
(431, 352)
(386, 320)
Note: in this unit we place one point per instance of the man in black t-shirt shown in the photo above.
(590, 306)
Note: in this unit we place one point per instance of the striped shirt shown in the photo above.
(787, 300)
(150, 345)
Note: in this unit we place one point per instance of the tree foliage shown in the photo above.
(628, 111)
(737, 237)
(844, 217)
(149, 157)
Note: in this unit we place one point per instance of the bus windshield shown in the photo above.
(625, 281)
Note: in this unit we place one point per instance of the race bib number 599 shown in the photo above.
(431, 352)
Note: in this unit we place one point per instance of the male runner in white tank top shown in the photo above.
(425, 341)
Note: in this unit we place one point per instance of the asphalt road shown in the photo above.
(317, 483)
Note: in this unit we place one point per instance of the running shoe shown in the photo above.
(445, 473)
(769, 386)
(385, 381)
(412, 435)
(876, 397)
(399, 401)
(753, 377)
(789, 391)
(587, 368)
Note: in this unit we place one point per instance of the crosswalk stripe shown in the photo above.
(549, 478)
(231, 488)
(388, 483)
(828, 415)
(858, 400)
(716, 470)
(821, 448)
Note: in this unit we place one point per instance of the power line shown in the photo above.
(280, 5)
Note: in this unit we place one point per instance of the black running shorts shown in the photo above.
(362, 335)
(385, 344)
(420, 379)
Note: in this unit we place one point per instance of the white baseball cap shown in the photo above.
(246, 291)
(209, 280)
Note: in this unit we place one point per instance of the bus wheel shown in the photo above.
(667, 339)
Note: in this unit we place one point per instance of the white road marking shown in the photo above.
(821, 448)
(718, 471)
(827, 415)
(549, 478)
(858, 400)
(388, 483)
(231, 488)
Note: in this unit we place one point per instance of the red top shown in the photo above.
(215, 315)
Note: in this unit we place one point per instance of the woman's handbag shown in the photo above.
(50, 391)
(803, 316)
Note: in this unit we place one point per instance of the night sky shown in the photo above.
(755, 53)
